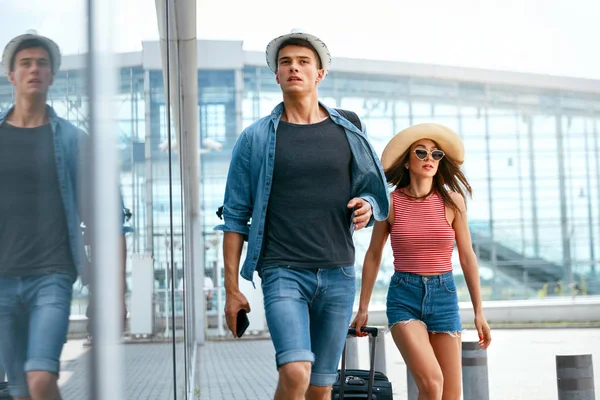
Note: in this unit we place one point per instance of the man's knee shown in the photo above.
(318, 393)
(41, 382)
(295, 376)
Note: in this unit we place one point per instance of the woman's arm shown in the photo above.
(468, 263)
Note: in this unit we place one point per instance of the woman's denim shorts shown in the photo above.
(429, 299)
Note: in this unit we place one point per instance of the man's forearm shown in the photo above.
(233, 243)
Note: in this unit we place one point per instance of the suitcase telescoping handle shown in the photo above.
(373, 332)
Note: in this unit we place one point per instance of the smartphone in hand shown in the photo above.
(242, 323)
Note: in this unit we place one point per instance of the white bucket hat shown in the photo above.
(13, 45)
(320, 48)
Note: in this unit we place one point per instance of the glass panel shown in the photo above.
(546, 157)
(42, 258)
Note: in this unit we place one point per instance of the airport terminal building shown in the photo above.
(532, 154)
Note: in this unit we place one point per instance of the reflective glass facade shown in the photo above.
(532, 160)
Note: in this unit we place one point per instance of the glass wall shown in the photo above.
(530, 158)
(156, 362)
(534, 212)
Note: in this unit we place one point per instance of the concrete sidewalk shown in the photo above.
(521, 364)
(237, 370)
(147, 368)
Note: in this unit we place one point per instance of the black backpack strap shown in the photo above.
(350, 116)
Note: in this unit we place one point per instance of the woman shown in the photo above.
(427, 215)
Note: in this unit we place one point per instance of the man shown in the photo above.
(41, 244)
(307, 178)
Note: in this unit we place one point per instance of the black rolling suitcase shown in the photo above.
(4, 391)
(3, 386)
(359, 384)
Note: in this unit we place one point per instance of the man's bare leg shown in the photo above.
(43, 385)
(293, 381)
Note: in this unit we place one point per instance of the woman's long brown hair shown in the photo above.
(449, 177)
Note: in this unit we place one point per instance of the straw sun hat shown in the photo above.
(447, 140)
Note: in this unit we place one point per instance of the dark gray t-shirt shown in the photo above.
(34, 236)
(308, 221)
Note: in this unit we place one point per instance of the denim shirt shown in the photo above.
(251, 172)
(67, 139)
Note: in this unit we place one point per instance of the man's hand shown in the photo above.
(362, 212)
(234, 302)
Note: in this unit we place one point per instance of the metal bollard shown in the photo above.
(575, 377)
(412, 389)
(475, 372)
(352, 353)
(380, 359)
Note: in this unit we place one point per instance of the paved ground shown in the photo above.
(521, 364)
(237, 370)
(148, 370)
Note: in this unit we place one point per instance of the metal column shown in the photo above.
(562, 187)
(486, 117)
(597, 153)
(177, 29)
(239, 99)
(106, 357)
(532, 185)
(588, 181)
(148, 170)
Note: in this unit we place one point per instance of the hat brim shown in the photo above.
(448, 141)
(13, 45)
(320, 47)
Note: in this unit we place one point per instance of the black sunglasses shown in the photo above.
(436, 155)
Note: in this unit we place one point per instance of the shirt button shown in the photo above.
(255, 257)
(268, 183)
(271, 155)
(260, 232)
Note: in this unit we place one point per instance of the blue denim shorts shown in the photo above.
(429, 299)
(308, 312)
(34, 321)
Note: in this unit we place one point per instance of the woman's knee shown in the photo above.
(452, 389)
(431, 384)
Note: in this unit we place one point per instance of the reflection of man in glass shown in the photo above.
(307, 177)
(41, 247)
(209, 287)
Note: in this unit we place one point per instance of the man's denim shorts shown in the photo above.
(34, 321)
(308, 312)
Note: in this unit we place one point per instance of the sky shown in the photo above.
(554, 37)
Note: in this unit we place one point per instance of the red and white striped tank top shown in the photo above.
(422, 239)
